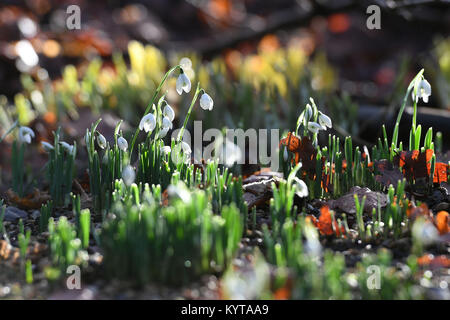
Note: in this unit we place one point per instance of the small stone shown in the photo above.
(13, 214)
(35, 214)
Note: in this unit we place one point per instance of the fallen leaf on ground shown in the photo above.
(326, 223)
(441, 222)
(414, 212)
(34, 200)
(436, 262)
(388, 173)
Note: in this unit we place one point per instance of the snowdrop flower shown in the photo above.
(206, 102)
(122, 143)
(183, 83)
(148, 123)
(87, 137)
(186, 63)
(314, 127)
(186, 148)
(162, 133)
(128, 175)
(165, 150)
(324, 121)
(424, 231)
(308, 112)
(423, 91)
(301, 189)
(312, 245)
(101, 141)
(68, 147)
(179, 191)
(26, 134)
(47, 146)
(168, 112)
(166, 123)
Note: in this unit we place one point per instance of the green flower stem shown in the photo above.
(151, 104)
(197, 91)
(405, 99)
(15, 124)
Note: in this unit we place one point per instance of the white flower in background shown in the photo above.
(101, 141)
(314, 127)
(168, 112)
(181, 153)
(166, 123)
(162, 133)
(424, 231)
(186, 63)
(179, 191)
(148, 123)
(66, 146)
(301, 189)
(324, 121)
(47, 146)
(122, 143)
(165, 150)
(27, 55)
(183, 84)
(26, 134)
(230, 154)
(206, 102)
(128, 175)
(423, 91)
(312, 245)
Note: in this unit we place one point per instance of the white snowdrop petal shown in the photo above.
(46, 146)
(324, 120)
(122, 143)
(301, 188)
(165, 150)
(148, 122)
(166, 123)
(169, 113)
(162, 133)
(101, 141)
(128, 175)
(185, 147)
(314, 127)
(66, 146)
(206, 102)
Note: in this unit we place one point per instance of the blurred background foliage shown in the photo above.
(259, 60)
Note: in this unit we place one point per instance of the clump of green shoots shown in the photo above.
(313, 278)
(46, 213)
(60, 169)
(105, 166)
(65, 247)
(175, 244)
(24, 240)
(18, 149)
(282, 204)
